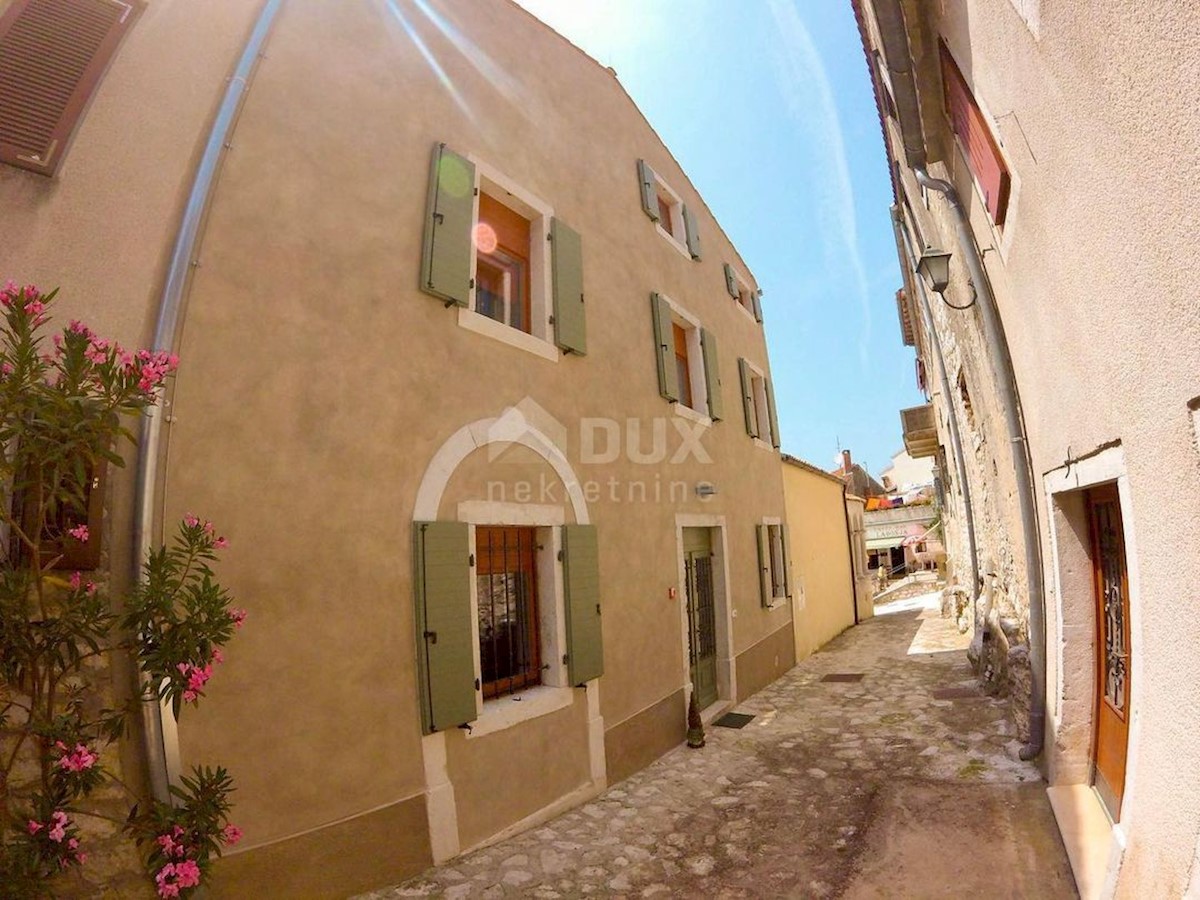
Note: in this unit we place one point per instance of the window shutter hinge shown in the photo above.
(471, 560)
(476, 684)
(476, 192)
(561, 557)
(431, 637)
(552, 320)
(597, 609)
(565, 658)
(471, 284)
(467, 726)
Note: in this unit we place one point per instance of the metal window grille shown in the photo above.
(506, 579)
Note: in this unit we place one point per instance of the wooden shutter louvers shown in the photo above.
(52, 55)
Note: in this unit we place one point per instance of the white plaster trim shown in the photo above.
(764, 445)
(697, 377)
(673, 241)
(440, 808)
(597, 756)
(726, 670)
(476, 435)
(490, 512)
(506, 334)
(1106, 466)
(513, 709)
(745, 312)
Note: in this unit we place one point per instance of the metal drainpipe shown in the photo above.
(162, 755)
(850, 547)
(955, 438)
(997, 346)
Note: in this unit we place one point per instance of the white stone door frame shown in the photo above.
(726, 668)
(1074, 624)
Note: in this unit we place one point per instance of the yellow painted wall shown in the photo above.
(821, 565)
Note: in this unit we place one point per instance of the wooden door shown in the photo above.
(702, 614)
(1112, 646)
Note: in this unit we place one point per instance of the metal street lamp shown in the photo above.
(934, 265)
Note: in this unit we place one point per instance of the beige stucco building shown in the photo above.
(828, 555)
(473, 383)
(1041, 145)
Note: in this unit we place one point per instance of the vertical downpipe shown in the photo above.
(161, 738)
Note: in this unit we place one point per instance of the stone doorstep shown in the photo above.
(1086, 832)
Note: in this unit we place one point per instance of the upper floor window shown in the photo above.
(738, 287)
(974, 135)
(499, 253)
(689, 373)
(671, 215)
(758, 404)
(52, 54)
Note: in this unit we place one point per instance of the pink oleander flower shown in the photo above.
(190, 696)
(80, 533)
(231, 834)
(6, 369)
(76, 760)
(165, 879)
(220, 543)
(76, 580)
(35, 827)
(90, 588)
(58, 829)
(188, 873)
(238, 616)
(77, 327)
(191, 521)
(208, 529)
(218, 655)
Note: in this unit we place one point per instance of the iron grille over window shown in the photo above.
(506, 582)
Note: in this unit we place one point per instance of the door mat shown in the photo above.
(733, 720)
(844, 676)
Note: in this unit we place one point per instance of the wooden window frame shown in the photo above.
(67, 118)
(509, 258)
(683, 365)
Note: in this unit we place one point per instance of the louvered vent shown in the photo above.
(52, 54)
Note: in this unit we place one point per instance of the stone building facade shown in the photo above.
(1039, 145)
(472, 381)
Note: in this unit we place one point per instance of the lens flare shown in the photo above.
(485, 238)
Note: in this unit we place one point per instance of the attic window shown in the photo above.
(52, 55)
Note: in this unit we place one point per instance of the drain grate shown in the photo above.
(957, 693)
(733, 720)
(844, 676)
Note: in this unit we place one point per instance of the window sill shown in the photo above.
(673, 241)
(505, 712)
(763, 445)
(777, 603)
(745, 312)
(686, 412)
(505, 334)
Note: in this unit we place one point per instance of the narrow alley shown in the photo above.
(874, 768)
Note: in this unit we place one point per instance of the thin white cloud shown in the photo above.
(804, 84)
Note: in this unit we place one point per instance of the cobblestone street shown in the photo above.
(852, 788)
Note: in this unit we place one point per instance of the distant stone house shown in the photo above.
(858, 480)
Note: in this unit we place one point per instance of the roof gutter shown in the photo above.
(895, 39)
(158, 724)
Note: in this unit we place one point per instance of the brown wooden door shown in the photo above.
(1112, 646)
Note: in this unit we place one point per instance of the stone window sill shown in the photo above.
(513, 709)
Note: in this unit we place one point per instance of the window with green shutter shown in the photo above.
(446, 650)
(758, 403)
(570, 325)
(581, 583)
(448, 252)
(746, 378)
(664, 347)
(712, 375)
(667, 210)
(774, 562)
(691, 232)
(740, 290)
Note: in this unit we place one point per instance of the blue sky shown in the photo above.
(767, 106)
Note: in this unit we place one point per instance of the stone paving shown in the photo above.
(835, 789)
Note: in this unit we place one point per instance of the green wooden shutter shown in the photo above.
(771, 412)
(664, 348)
(731, 281)
(570, 325)
(756, 296)
(712, 374)
(449, 217)
(748, 397)
(784, 537)
(581, 582)
(649, 190)
(693, 233)
(762, 533)
(445, 646)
